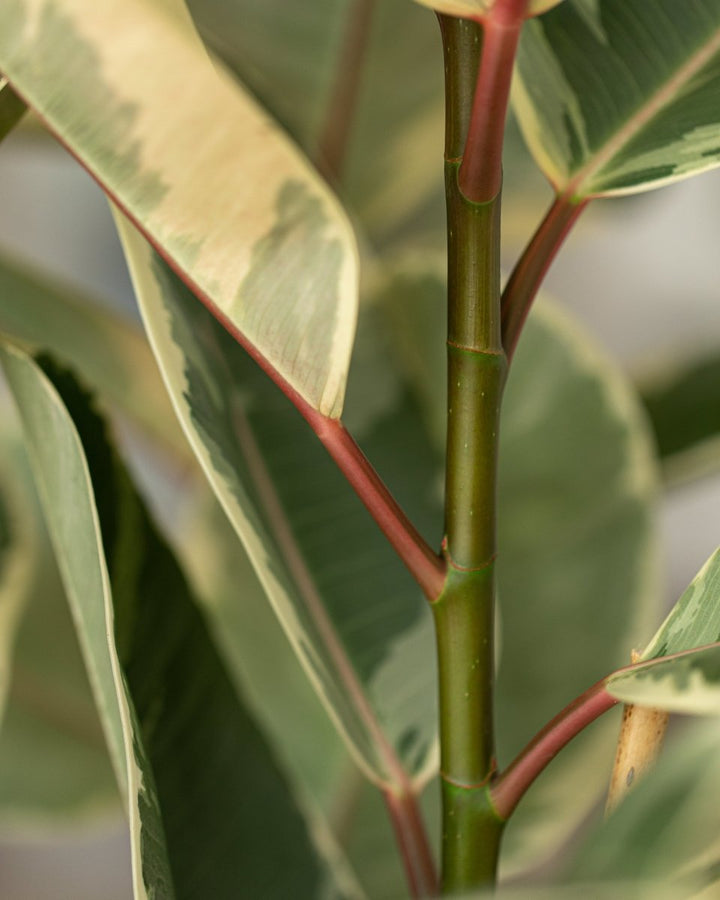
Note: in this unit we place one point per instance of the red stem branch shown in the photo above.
(414, 848)
(528, 274)
(424, 564)
(511, 785)
(480, 176)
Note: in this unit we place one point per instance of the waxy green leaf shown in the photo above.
(354, 616)
(690, 680)
(617, 96)
(203, 172)
(196, 771)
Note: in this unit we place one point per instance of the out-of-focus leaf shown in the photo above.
(684, 408)
(618, 96)
(19, 554)
(54, 765)
(354, 616)
(254, 230)
(666, 830)
(107, 351)
(205, 798)
(12, 108)
(577, 580)
(689, 682)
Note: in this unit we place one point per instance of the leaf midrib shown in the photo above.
(574, 189)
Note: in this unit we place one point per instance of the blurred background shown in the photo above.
(641, 274)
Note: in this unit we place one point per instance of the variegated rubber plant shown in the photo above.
(324, 625)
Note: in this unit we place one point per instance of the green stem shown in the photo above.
(464, 612)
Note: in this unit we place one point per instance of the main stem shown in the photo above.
(477, 77)
(464, 612)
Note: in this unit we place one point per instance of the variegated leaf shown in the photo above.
(12, 108)
(688, 681)
(354, 616)
(127, 85)
(171, 715)
(617, 96)
(295, 56)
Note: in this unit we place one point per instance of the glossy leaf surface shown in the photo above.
(196, 768)
(252, 201)
(617, 96)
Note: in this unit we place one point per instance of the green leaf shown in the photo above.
(689, 682)
(253, 230)
(354, 616)
(19, 553)
(577, 573)
(206, 802)
(12, 108)
(618, 96)
(106, 350)
(666, 828)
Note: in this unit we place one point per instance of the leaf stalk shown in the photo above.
(532, 266)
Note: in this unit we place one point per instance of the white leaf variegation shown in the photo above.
(618, 96)
(129, 88)
(290, 509)
(679, 670)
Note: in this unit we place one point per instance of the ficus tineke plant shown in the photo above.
(378, 579)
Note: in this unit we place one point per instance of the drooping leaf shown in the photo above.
(688, 682)
(617, 96)
(54, 765)
(577, 581)
(205, 799)
(107, 351)
(253, 229)
(12, 108)
(354, 616)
